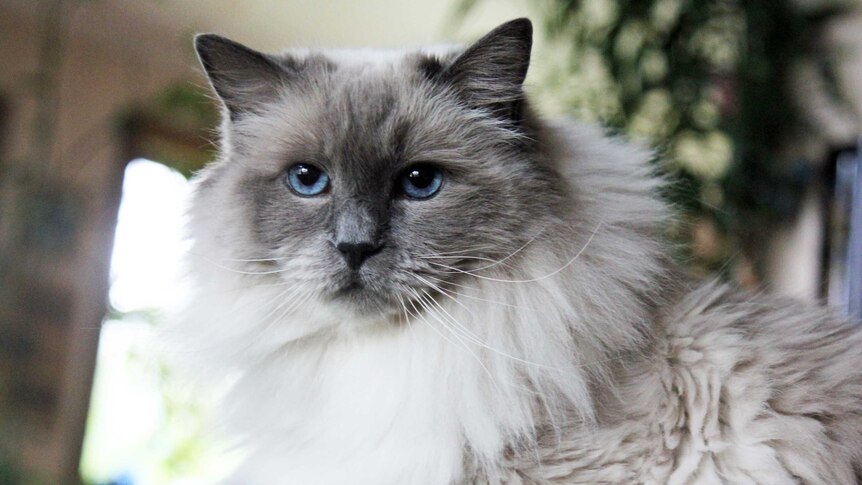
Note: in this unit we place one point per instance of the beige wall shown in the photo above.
(277, 24)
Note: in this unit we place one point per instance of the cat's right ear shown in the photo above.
(244, 79)
(490, 73)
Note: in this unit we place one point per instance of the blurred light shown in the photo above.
(142, 429)
(146, 265)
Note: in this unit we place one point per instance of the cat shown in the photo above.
(407, 276)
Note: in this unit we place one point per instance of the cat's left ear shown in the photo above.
(244, 79)
(490, 73)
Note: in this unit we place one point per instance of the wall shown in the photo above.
(59, 192)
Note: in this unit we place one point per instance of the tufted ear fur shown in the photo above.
(490, 73)
(243, 78)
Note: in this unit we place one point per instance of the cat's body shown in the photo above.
(520, 324)
(738, 389)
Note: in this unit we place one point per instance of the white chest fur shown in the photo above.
(390, 407)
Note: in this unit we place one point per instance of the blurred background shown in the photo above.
(754, 108)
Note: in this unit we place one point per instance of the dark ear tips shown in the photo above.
(490, 73)
(202, 41)
(217, 52)
(511, 43)
(204, 45)
(242, 77)
(521, 28)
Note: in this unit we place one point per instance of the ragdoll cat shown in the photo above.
(408, 277)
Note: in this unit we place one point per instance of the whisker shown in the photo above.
(289, 303)
(232, 270)
(466, 347)
(530, 241)
(531, 280)
(464, 295)
(479, 342)
(253, 260)
(406, 316)
(455, 256)
(241, 260)
(481, 247)
(286, 296)
(418, 314)
(493, 262)
(465, 332)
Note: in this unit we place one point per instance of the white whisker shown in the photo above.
(233, 270)
(468, 334)
(482, 247)
(464, 295)
(531, 280)
(466, 347)
(456, 256)
(530, 241)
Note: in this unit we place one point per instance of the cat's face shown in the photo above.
(374, 185)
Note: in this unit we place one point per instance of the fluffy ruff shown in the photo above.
(575, 360)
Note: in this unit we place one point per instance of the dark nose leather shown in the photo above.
(355, 253)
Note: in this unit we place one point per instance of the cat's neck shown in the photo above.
(479, 371)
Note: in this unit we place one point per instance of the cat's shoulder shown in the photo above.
(794, 346)
(724, 321)
(767, 376)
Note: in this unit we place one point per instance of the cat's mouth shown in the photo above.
(359, 294)
(367, 299)
(367, 294)
(352, 287)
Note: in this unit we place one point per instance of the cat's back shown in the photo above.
(766, 383)
(740, 388)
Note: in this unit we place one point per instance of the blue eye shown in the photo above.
(307, 180)
(421, 181)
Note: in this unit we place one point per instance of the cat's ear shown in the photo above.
(490, 73)
(243, 78)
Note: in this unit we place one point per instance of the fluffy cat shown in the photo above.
(408, 277)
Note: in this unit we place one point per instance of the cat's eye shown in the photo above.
(421, 181)
(306, 180)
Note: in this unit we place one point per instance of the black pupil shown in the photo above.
(420, 177)
(307, 175)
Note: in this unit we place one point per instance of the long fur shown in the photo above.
(579, 356)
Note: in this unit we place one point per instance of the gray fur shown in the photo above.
(570, 349)
(364, 128)
(738, 389)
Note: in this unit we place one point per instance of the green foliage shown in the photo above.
(657, 60)
(187, 105)
(708, 83)
(174, 128)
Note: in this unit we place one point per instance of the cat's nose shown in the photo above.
(355, 253)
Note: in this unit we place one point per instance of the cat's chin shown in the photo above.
(359, 301)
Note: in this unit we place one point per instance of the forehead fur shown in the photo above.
(363, 113)
(375, 57)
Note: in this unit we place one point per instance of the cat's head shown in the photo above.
(367, 182)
